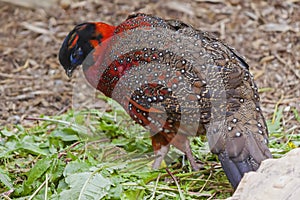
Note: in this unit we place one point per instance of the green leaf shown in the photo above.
(275, 126)
(10, 146)
(28, 143)
(133, 194)
(38, 170)
(75, 167)
(4, 178)
(86, 185)
(57, 169)
(296, 113)
(7, 133)
(66, 134)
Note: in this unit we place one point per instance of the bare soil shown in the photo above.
(266, 33)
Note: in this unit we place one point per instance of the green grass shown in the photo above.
(93, 155)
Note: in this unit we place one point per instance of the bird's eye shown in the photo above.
(76, 56)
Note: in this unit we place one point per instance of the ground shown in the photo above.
(33, 84)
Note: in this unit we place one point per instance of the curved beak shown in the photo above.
(69, 72)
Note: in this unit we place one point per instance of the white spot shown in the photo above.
(259, 125)
(238, 134)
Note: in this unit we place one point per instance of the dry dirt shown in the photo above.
(266, 33)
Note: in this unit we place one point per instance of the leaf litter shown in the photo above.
(33, 85)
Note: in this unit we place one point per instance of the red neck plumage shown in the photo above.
(104, 77)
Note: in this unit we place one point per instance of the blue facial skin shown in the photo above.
(76, 56)
(72, 56)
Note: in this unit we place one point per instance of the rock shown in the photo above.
(276, 179)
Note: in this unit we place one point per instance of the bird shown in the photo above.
(178, 82)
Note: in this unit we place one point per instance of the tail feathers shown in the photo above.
(236, 170)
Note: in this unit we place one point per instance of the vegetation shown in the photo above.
(103, 155)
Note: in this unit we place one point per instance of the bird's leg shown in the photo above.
(182, 143)
(161, 147)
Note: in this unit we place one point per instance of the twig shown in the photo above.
(206, 181)
(39, 188)
(281, 59)
(6, 194)
(13, 76)
(212, 196)
(70, 147)
(57, 121)
(177, 184)
(65, 108)
(46, 187)
(155, 187)
(285, 101)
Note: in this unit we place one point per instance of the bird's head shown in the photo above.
(80, 42)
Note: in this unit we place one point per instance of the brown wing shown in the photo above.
(187, 82)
